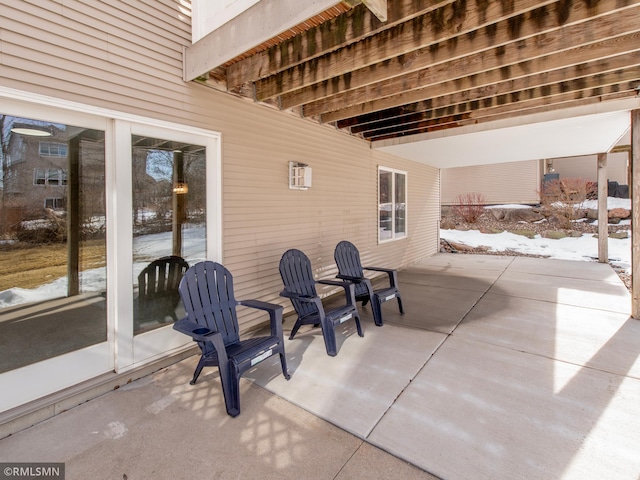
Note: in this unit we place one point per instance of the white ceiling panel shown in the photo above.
(563, 137)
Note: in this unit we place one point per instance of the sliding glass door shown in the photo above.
(99, 218)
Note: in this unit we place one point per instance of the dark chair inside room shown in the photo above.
(207, 294)
(347, 258)
(158, 283)
(300, 288)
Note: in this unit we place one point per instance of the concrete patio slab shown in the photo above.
(486, 412)
(606, 341)
(565, 268)
(471, 262)
(355, 388)
(431, 308)
(161, 427)
(450, 277)
(369, 463)
(602, 295)
(517, 382)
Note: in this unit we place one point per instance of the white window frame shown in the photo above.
(392, 194)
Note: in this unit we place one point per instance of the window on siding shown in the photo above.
(392, 204)
(53, 149)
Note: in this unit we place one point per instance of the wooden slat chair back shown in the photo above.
(209, 301)
(158, 287)
(300, 288)
(350, 268)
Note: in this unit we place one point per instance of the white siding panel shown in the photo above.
(127, 56)
(515, 182)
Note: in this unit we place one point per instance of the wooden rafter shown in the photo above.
(540, 53)
(444, 63)
(427, 31)
(337, 33)
(614, 70)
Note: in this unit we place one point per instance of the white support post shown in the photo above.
(603, 214)
(635, 214)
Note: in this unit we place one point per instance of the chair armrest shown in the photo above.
(349, 289)
(260, 305)
(393, 274)
(350, 278)
(297, 296)
(199, 334)
(275, 314)
(333, 282)
(194, 330)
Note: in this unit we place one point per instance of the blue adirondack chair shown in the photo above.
(347, 258)
(207, 294)
(300, 288)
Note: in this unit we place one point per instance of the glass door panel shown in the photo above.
(169, 225)
(52, 240)
(53, 298)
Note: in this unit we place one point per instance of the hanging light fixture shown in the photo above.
(31, 130)
(180, 188)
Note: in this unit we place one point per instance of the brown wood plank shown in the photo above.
(317, 41)
(539, 53)
(509, 107)
(604, 72)
(437, 26)
(575, 40)
(426, 31)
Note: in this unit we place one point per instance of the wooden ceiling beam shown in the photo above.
(502, 57)
(451, 21)
(509, 107)
(581, 77)
(580, 37)
(528, 71)
(334, 34)
(421, 35)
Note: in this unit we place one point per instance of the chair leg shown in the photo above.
(197, 371)
(283, 362)
(295, 329)
(232, 390)
(377, 311)
(329, 335)
(358, 326)
(400, 303)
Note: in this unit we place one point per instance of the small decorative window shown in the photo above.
(299, 176)
(392, 204)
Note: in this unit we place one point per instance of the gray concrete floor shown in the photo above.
(501, 368)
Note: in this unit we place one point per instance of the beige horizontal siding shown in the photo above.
(514, 182)
(587, 167)
(127, 56)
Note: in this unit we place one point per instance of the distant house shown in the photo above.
(520, 182)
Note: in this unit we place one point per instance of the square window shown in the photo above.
(392, 204)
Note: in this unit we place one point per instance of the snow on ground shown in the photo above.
(95, 280)
(584, 248)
